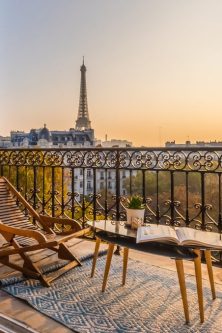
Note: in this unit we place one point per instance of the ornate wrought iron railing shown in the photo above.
(178, 186)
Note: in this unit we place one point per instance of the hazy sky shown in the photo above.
(154, 68)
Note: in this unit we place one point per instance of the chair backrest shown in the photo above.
(10, 212)
(12, 215)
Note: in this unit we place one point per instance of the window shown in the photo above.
(109, 185)
(102, 175)
(81, 184)
(89, 186)
(89, 173)
(102, 185)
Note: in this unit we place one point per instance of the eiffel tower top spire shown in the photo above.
(83, 122)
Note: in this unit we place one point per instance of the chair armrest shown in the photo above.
(82, 232)
(9, 233)
(53, 222)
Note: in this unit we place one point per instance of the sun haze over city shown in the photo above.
(154, 70)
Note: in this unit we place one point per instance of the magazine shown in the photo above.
(179, 235)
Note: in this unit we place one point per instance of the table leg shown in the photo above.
(207, 254)
(108, 262)
(125, 262)
(98, 241)
(198, 273)
(181, 278)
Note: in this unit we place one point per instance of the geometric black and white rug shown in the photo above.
(150, 301)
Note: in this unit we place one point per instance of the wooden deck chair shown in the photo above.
(23, 237)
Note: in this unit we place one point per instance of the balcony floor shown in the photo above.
(22, 312)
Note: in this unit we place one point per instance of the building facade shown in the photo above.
(189, 144)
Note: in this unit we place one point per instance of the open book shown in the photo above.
(180, 236)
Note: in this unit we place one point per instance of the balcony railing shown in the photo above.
(178, 186)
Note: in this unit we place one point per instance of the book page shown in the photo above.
(155, 232)
(190, 236)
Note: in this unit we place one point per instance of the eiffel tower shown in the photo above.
(83, 122)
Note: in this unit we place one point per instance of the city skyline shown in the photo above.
(154, 69)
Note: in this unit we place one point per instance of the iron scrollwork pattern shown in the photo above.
(88, 183)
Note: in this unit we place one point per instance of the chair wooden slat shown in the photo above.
(24, 237)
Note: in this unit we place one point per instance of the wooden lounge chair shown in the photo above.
(23, 237)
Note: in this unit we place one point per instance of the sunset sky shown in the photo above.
(154, 68)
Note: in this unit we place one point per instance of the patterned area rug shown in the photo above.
(149, 302)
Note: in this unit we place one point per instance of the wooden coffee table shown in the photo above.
(116, 233)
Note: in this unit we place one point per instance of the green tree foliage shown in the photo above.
(211, 185)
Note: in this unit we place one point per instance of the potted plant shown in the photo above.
(135, 211)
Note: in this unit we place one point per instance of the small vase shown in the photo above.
(134, 216)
